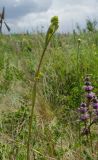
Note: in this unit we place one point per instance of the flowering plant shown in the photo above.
(88, 110)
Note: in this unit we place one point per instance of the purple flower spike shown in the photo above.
(90, 95)
(88, 88)
(95, 105)
(84, 117)
(83, 104)
(82, 109)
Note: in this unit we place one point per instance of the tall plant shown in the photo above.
(88, 110)
(51, 30)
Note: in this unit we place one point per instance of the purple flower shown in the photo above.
(90, 95)
(95, 105)
(88, 88)
(84, 117)
(82, 109)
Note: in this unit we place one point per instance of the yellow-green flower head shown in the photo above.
(52, 28)
(54, 20)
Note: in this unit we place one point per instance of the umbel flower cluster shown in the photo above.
(88, 110)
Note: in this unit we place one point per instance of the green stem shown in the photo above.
(78, 60)
(78, 71)
(38, 69)
(31, 118)
(33, 104)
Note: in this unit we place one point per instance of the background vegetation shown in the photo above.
(55, 129)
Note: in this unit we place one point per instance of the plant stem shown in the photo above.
(33, 103)
(38, 69)
(90, 133)
(78, 71)
(78, 61)
(31, 118)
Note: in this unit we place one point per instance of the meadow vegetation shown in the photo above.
(56, 128)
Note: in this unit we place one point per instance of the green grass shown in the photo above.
(59, 90)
